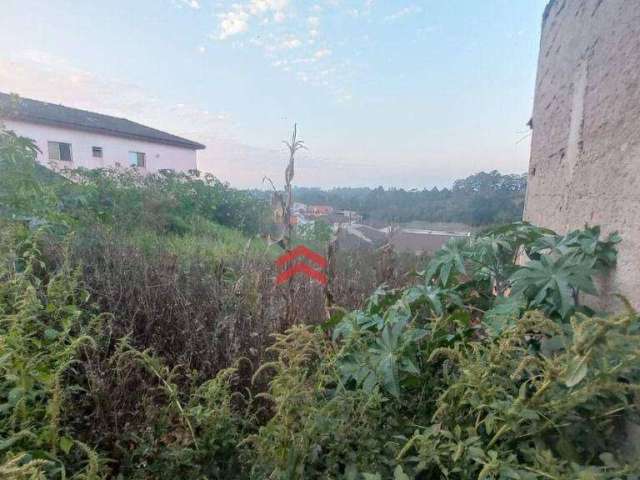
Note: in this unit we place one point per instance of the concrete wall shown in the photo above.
(585, 152)
(114, 149)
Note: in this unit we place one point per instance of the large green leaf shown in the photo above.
(504, 313)
(435, 298)
(450, 258)
(576, 371)
(548, 283)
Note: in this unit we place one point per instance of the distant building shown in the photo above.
(585, 148)
(318, 210)
(419, 242)
(298, 207)
(353, 237)
(356, 236)
(348, 216)
(68, 137)
(309, 213)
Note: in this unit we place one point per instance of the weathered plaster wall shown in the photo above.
(585, 152)
(114, 149)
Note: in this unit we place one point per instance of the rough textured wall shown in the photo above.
(585, 152)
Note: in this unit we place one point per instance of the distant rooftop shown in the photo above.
(35, 111)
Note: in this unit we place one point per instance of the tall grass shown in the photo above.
(142, 336)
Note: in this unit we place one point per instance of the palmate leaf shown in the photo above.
(518, 232)
(354, 367)
(380, 300)
(491, 259)
(450, 258)
(548, 283)
(388, 371)
(435, 298)
(389, 358)
(581, 246)
(504, 313)
(398, 474)
(354, 323)
(491, 246)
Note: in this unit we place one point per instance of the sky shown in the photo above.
(398, 93)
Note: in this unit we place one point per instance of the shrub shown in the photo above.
(46, 325)
(318, 429)
(141, 336)
(527, 404)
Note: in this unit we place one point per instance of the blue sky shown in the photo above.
(393, 93)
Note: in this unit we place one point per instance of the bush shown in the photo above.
(46, 326)
(525, 404)
(143, 337)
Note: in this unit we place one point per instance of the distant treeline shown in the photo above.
(481, 199)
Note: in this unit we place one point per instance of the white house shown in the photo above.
(68, 137)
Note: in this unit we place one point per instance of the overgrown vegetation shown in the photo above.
(486, 198)
(142, 336)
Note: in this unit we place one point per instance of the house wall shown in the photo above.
(585, 151)
(114, 149)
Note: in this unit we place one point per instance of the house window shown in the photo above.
(97, 152)
(137, 159)
(60, 151)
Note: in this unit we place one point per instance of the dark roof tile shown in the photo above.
(25, 109)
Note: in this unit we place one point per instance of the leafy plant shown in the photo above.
(550, 284)
(45, 326)
(509, 412)
(449, 259)
(582, 246)
(135, 343)
(493, 255)
(390, 354)
(489, 267)
(319, 429)
(18, 469)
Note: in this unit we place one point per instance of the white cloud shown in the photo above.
(288, 34)
(195, 4)
(233, 23)
(403, 12)
(303, 60)
(237, 19)
(289, 43)
(261, 6)
(323, 52)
